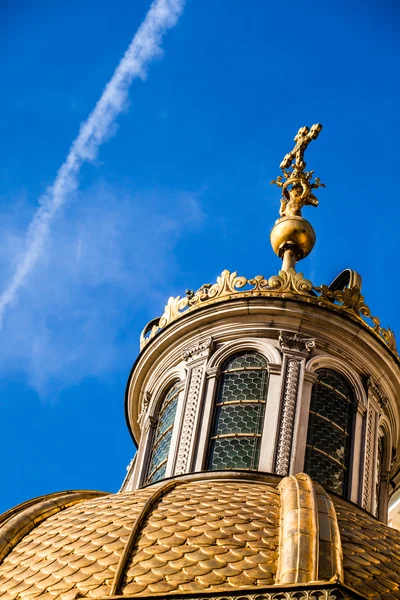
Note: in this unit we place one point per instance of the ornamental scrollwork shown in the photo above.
(286, 284)
(295, 342)
(295, 594)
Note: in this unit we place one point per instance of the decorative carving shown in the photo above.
(145, 405)
(296, 183)
(325, 593)
(375, 389)
(198, 349)
(369, 459)
(189, 419)
(351, 301)
(296, 342)
(287, 284)
(287, 420)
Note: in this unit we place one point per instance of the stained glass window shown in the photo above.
(329, 428)
(162, 436)
(239, 413)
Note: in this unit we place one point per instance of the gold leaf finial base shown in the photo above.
(294, 233)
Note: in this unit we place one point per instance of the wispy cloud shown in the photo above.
(145, 46)
(109, 256)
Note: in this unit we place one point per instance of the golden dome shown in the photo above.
(214, 532)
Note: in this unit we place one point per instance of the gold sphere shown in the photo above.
(293, 232)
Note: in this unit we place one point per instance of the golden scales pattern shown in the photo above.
(211, 536)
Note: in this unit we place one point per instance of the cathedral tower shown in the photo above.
(266, 415)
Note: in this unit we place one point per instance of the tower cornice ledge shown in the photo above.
(289, 284)
(249, 315)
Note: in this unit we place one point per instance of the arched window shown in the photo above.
(162, 436)
(329, 428)
(239, 413)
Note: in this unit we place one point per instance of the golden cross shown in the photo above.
(303, 138)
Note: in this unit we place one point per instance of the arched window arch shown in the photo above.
(239, 409)
(162, 436)
(329, 430)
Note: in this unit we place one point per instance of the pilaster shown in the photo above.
(196, 358)
(295, 349)
(271, 418)
(370, 453)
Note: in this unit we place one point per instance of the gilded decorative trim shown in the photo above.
(333, 593)
(154, 497)
(189, 420)
(287, 284)
(309, 539)
(288, 414)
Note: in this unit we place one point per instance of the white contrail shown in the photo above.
(162, 15)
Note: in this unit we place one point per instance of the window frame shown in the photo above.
(347, 465)
(154, 443)
(216, 404)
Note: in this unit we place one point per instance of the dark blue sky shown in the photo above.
(179, 193)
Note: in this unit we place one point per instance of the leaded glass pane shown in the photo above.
(238, 418)
(322, 469)
(243, 385)
(239, 413)
(328, 433)
(235, 453)
(244, 361)
(162, 436)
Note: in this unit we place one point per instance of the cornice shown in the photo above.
(286, 285)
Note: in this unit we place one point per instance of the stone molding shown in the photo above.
(375, 390)
(212, 372)
(274, 368)
(202, 348)
(145, 406)
(294, 342)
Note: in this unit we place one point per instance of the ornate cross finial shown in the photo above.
(303, 138)
(293, 237)
(298, 185)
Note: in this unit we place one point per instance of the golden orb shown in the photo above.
(295, 233)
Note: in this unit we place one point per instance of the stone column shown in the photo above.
(303, 412)
(271, 418)
(196, 358)
(296, 349)
(370, 454)
(376, 402)
(207, 415)
(357, 454)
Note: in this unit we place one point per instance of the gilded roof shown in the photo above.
(207, 536)
(371, 553)
(200, 536)
(186, 536)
